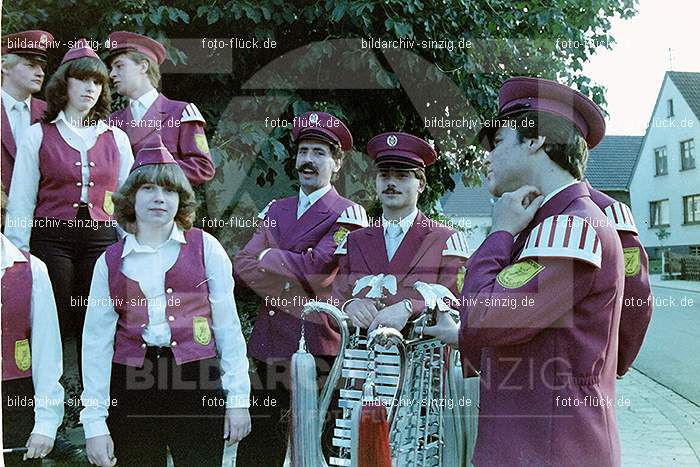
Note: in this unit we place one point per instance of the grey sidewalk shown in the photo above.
(658, 427)
(688, 286)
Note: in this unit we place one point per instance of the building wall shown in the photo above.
(646, 186)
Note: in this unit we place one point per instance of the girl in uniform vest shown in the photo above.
(60, 204)
(31, 356)
(161, 307)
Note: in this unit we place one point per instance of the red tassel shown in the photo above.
(373, 445)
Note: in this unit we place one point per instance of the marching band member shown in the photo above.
(288, 262)
(637, 303)
(23, 62)
(32, 397)
(134, 62)
(542, 298)
(406, 245)
(66, 170)
(161, 307)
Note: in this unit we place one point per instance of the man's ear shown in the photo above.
(5, 66)
(338, 165)
(421, 186)
(144, 66)
(535, 144)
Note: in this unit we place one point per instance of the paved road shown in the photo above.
(671, 351)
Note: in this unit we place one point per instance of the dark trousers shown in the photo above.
(267, 442)
(17, 420)
(70, 253)
(165, 405)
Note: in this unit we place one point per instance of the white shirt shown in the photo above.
(393, 243)
(557, 191)
(26, 173)
(20, 117)
(148, 266)
(140, 106)
(46, 350)
(306, 201)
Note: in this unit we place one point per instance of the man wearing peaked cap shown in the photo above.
(548, 364)
(134, 60)
(289, 261)
(23, 62)
(406, 244)
(637, 303)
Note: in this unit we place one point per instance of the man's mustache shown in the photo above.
(307, 166)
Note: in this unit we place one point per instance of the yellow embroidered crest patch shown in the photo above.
(108, 204)
(202, 333)
(633, 261)
(23, 355)
(518, 274)
(201, 140)
(460, 278)
(339, 236)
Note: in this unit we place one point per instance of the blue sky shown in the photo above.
(635, 67)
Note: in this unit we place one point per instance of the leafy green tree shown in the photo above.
(450, 63)
(373, 89)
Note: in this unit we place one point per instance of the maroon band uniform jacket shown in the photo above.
(181, 127)
(299, 266)
(637, 303)
(430, 252)
(540, 318)
(9, 144)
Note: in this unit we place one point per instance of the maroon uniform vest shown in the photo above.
(187, 307)
(61, 179)
(16, 320)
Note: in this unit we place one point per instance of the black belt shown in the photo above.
(157, 352)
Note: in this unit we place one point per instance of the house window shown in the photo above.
(694, 250)
(688, 154)
(669, 108)
(661, 160)
(691, 209)
(658, 213)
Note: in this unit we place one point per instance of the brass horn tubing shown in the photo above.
(430, 368)
(417, 390)
(412, 375)
(441, 405)
(384, 336)
(340, 320)
(413, 371)
(458, 421)
(402, 424)
(425, 395)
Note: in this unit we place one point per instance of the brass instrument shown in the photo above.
(417, 378)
